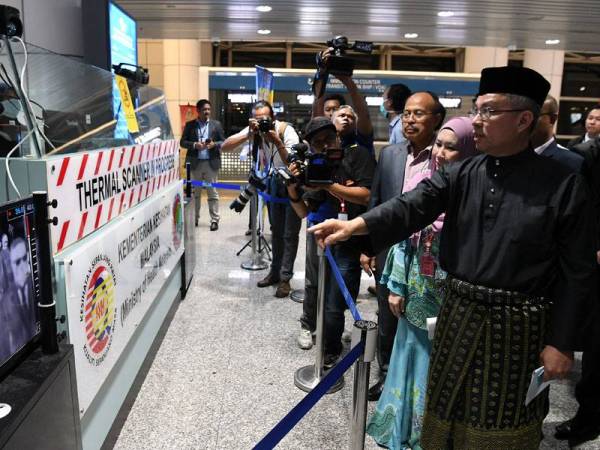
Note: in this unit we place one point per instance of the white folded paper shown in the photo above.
(537, 385)
(431, 321)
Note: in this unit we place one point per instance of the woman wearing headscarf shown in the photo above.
(413, 277)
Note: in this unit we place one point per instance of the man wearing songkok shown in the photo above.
(518, 247)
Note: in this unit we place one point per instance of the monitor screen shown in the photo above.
(122, 38)
(19, 281)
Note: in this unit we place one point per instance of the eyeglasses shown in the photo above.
(486, 112)
(418, 114)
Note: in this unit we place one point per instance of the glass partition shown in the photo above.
(76, 106)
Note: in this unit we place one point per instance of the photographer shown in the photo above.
(362, 133)
(274, 139)
(202, 138)
(348, 194)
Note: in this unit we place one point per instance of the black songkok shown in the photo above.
(514, 80)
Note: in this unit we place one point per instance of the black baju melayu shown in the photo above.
(518, 247)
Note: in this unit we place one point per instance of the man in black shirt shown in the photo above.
(585, 425)
(348, 194)
(518, 248)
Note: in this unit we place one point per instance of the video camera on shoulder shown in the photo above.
(316, 169)
(339, 63)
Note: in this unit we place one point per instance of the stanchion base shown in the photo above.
(305, 379)
(297, 295)
(255, 264)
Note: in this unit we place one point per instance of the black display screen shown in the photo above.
(19, 281)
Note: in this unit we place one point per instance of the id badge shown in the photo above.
(342, 216)
(427, 265)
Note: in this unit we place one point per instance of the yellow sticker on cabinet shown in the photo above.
(127, 102)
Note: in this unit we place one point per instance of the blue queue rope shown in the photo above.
(230, 186)
(237, 187)
(290, 420)
(270, 199)
(342, 285)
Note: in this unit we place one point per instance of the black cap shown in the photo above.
(316, 125)
(514, 80)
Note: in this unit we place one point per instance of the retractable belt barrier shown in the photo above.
(361, 354)
(342, 285)
(299, 411)
(237, 187)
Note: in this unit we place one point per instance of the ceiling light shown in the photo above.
(552, 41)
(314, 22)
(264, 31)
(411, 35)
(445, 14)
(264, 8)
(582, 88)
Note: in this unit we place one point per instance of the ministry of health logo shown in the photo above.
(98, 309)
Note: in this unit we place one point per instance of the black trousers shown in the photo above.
(285, 230)
(587, 391)
(386, 321)
(308, 320)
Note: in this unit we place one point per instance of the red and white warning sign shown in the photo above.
(92, 188)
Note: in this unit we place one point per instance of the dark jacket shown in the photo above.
(389, 176)
(576, 141)
(590, 151)
(387, 183)
(568, 158)
(190, 137)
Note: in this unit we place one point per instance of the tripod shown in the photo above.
(257, 242)
(262, 245)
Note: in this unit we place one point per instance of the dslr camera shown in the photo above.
(316, 169)
(254, 183)
(265, 124)
(339, 63)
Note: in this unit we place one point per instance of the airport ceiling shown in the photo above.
(575, 24)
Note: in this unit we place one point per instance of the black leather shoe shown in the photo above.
(196, 223)
(375, 391)
(577, 431)
(269, 280)
(214, 226)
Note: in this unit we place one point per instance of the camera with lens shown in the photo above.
(339, 63)
(316, 168)
(265, 124)
(254, 184)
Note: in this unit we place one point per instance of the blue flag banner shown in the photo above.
(264, 84)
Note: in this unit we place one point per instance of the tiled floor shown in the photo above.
(224, 374)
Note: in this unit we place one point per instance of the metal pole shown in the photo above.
(321, 290)
(364, 331)
(307, 377)
(257, 262)
(26, 111)
(188, 177)
(297, 295)
(46, 305)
